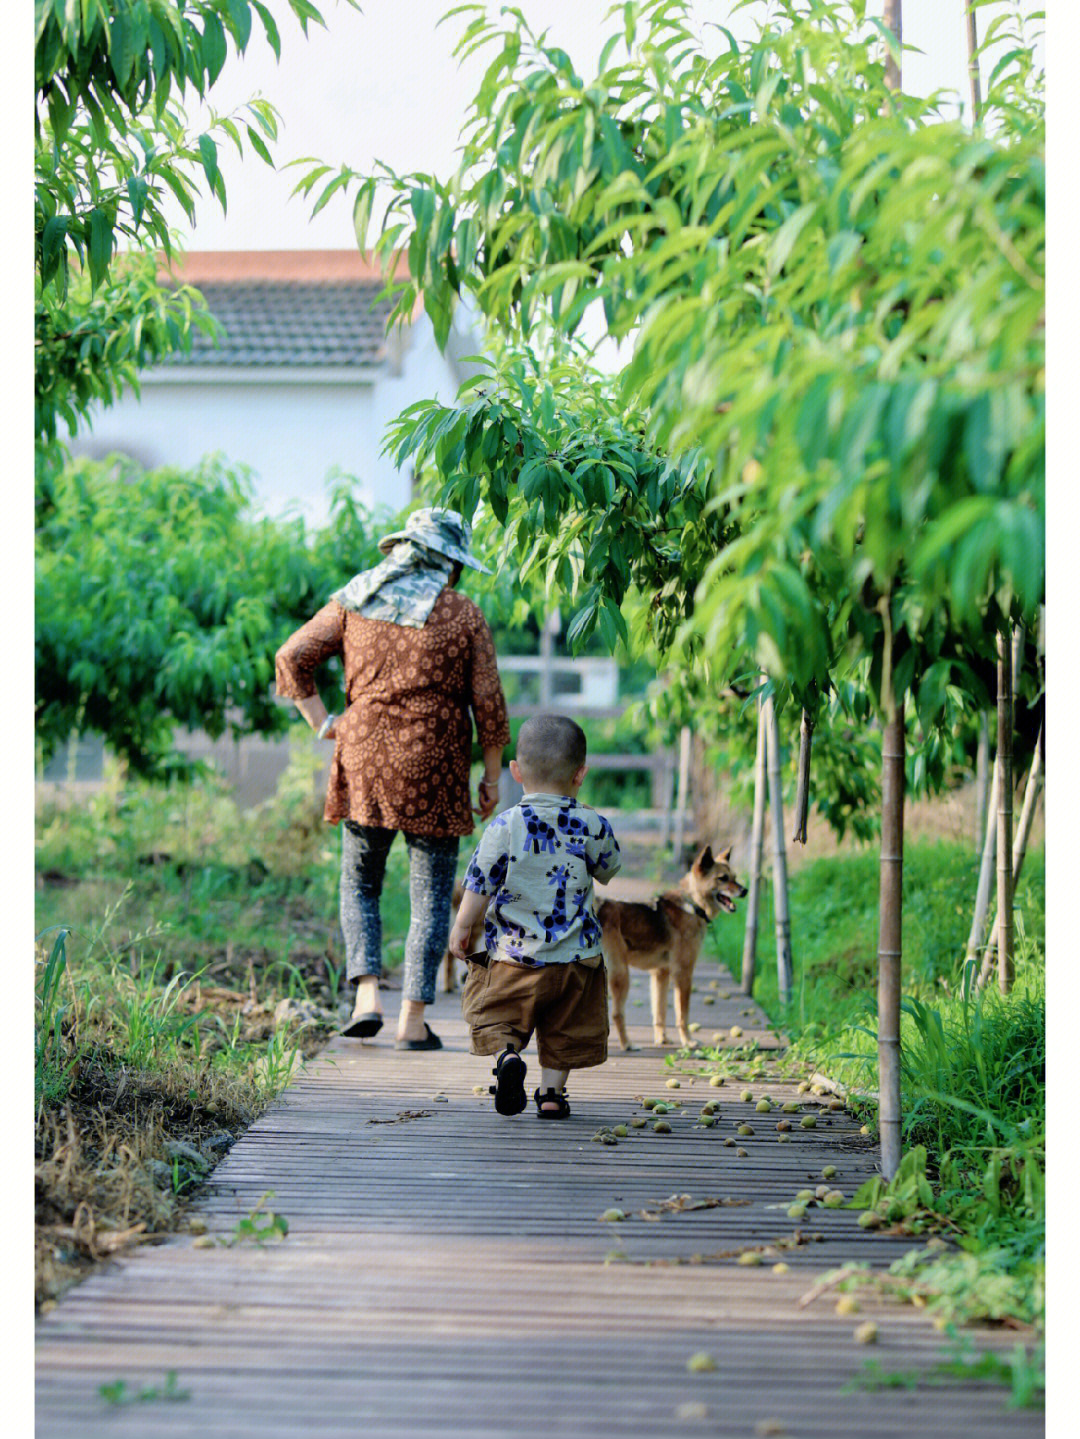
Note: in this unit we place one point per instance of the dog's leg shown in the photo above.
(658, 983)
(682, 1006)
(619, 982)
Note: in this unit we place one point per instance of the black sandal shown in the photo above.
(363, 1026)
(509, 1086)
(552, 1096)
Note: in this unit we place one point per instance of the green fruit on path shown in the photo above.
(808, 1122)
(673, 1084)
(847, 1304)
(612, 1216)
(784, 1125)
(796, 1211)
(708, 1120)
(662, 1127)
(742, 1153)
(716, 1081)
(805, 1194)
(834, 1199)
(866, 1333)
(746, 1096)
(744, 1129)
(870, 1220)
(620, 1130)
(735, 1032)
(701, 1363)
(791, 1107)
(729, 1143)
(763, 1106)
(638, 1123)
(783, 1139)
(828, 1171)
(749, 1256)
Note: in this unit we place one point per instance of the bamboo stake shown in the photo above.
(684, 785)
(973, 62)
(982, 779)
(780, 889)
(757, 834)
(890, 935)
(1027, 814)
(1005, 814)
(802, 789)
(986, 870)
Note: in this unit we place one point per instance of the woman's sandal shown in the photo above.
(363, 1026)
(509, 1086)
(552, 1096)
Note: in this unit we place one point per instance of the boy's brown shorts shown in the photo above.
(566, 1004)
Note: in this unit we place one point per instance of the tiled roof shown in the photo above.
(282, 308)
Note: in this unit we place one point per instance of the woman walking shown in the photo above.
(418, 658)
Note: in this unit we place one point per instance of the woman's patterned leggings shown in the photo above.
(432, 865)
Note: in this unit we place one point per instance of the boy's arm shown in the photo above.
(470, 909)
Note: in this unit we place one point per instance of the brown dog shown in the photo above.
(665, 938)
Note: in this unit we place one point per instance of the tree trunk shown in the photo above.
(973, 63)
(982, 780)
(802, 789)
(893, 18)
(757, 834)
(780, 890)
(1020, 843)
(889, 939)
(1005, 814)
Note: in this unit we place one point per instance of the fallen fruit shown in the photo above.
(701, 1363)
(749, 1256)
(805, 1194)
(746, 1096)
(783, 1139)
(708, 999)
(847, 1304)
(808, 1122)
(866, 1333)
(802, 1087)
(791, 1107)
(716, 1081)
(741, 1153)
(821, 1191)
(796, 1211)
(662, 1126)
(708, 1120)
(649, 1103)
(784, 1125)
(196, 1225)
(870, 1220)
(744, 1129)
(620, 1130)
(828, 1171)
(612, 1216)
(479, 1089)
(729, 1144)
(865, 1129)
(693, 1028)
(834, 1199)
(836, 1104)
(204, 1241)
(781, 1268)
(673, 1084)
(638, 1123)
(763, 1106)
(735, 1032)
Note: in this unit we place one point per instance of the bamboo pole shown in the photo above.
(757, 834)
(1005, 814)
(890, 935)
(802, 788)
(893, 18)
(780, 888)
(1027, 814)
(684, 787)
(982, 779)
(973, 62)
(986, 870)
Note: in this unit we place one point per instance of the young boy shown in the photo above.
(533, 869)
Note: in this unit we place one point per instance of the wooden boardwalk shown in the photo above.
(445, 1272)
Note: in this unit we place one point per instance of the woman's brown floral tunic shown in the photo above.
(401, 757)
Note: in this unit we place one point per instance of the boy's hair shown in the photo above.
(551, 748)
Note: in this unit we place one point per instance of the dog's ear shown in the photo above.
(725, 858)
(705, 862)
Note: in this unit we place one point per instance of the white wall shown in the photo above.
(290, 434)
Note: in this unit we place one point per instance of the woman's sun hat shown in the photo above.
(443, 531)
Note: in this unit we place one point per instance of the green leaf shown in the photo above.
(269, 26)
(208, 153)
(240, 18)
(100, 246)
(787, 237)
(214, 47)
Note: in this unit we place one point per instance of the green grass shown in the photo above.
(973, 1068)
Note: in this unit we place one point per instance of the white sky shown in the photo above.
(382, 84)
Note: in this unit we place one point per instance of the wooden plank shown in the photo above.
(447, 1275)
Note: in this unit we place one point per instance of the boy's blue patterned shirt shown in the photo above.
(537, 862)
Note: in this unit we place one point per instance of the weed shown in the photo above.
(258, 1226)
(117, 1392)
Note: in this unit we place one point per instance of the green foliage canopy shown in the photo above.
(112, 143)
(160, 601)
(835, 304)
